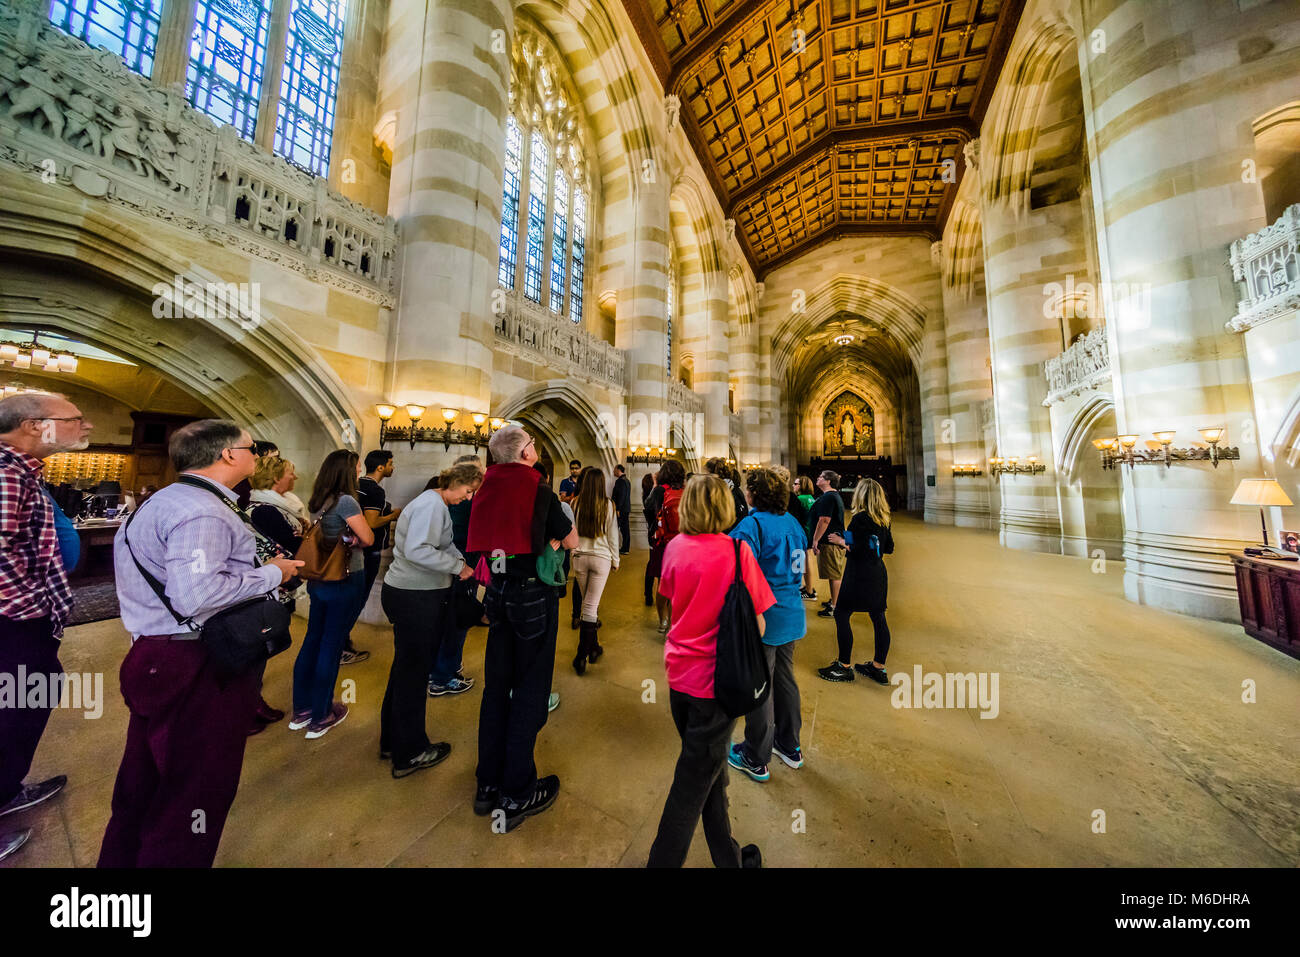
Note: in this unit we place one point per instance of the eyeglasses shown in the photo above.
(251, 449)
(56, 418)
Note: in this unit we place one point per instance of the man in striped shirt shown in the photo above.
(34, 594)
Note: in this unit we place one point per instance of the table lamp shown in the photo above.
(1260, 492)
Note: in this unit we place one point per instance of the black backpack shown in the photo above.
(741, 681)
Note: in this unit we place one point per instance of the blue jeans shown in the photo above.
(447, 659)
(334, 610)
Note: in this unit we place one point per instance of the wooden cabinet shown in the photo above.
(1269, 593)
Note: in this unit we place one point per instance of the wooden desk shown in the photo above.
(1269, 593)
(96, 561)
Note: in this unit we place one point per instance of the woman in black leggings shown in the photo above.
(866, 583)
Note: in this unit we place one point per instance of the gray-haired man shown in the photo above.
(185, 741)
(37, 550)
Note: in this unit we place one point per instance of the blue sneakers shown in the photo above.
(738, 758)
(454, 686)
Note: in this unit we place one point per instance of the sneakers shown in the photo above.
(318, 729)
(300, 720)
(868, 670)
(827, 612)
(835, 672)
(552, 702)
(12, 841)
(738, 758)
(793, 760)
(486, 799)
(454, 686)
(663, 626)
(34, 794)
(353, 657)
(750, 856)
(427, 758)
(808, 595)
(544, 794)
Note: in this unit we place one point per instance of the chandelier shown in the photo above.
(33, 356)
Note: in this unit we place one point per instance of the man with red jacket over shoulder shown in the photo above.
(514, 517)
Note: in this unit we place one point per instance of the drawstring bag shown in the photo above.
(741, 681)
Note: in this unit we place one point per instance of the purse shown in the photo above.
(465, 606)
(320, 565)
(236, 638)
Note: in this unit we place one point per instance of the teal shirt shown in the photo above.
(69, 540)
(780, 557)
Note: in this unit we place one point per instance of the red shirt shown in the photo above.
(697, 571)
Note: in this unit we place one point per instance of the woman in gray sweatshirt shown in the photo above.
(417, 599)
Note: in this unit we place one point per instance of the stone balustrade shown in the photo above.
(78, 116)
(532, 331)
(1084, 365)
(1266, 264)
(682, 399)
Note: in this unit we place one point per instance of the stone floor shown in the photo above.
(1104, 706)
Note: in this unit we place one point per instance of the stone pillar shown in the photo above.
(268, 106)
(357, 167)
(641, 331)
(1170, 113)
(172, 52)
(712, 364)
(969, 385)
(1019, 248)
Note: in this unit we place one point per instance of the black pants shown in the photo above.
(577, 598)
(779, 720)
(699, 786)
(624, 534)
(844, 634)
(28, 643)
(420, 619)
(517, 665)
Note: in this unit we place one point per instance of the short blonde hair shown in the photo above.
(707, 506)
(461, 473)
(270, 469)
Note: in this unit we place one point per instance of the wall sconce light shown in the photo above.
(447, 435)
(1120, 450)
(645, 455)
(1011, 466)
(961, 471)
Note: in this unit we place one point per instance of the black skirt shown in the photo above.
(865, 585)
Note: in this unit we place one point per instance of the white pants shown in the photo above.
(590, 572)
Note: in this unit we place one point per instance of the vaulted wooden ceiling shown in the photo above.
(816, 119)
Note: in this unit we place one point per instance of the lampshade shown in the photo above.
(496, 424)
(414, 411)
(449, 415)
(385, 411)
(1165, 437)
(478, 418)
(1259, 492)
(1128, 441)
(1211, 435)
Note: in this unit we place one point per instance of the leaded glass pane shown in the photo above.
(309, 84)
(510, 206)
(559, 240)
(579, 254)
(127, 27)
(227, 51)
(538, 180)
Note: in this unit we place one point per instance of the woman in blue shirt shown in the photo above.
(779, 541)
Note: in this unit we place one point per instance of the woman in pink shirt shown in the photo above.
(698, 567)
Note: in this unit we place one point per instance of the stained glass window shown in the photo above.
(579, 254)
(510, 206)
(310, 83)
(227, 53)
(538, 180)
(559, 240)
(127, 27)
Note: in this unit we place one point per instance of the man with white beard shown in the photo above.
(38, 547)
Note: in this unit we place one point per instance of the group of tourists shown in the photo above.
(208, 550)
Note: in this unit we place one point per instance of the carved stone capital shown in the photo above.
(972, 153)
(673, 109)
(936, 255)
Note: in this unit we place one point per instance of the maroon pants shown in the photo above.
(184, 753)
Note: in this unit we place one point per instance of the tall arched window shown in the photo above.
(127, 27)
(546, 192)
